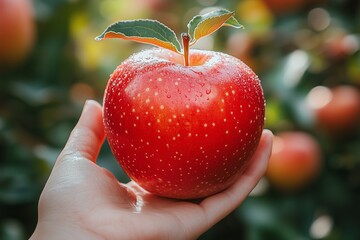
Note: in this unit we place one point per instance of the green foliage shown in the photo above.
(293, 51)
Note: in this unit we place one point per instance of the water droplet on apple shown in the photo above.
(208, 90)
(168, 95)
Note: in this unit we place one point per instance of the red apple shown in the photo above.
(182, 123)
(183, 131)
(295, 160)
(337, 110)
(17, 31)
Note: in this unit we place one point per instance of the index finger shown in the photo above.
(87, 136)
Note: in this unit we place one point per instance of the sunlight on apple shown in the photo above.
(319, 97)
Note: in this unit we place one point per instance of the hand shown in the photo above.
(84, 201)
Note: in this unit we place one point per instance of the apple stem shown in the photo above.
(186, 40)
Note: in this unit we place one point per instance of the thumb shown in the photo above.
(88, 135)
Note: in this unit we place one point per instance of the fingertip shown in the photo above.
(90, 105)
(91, 102)
(268, 138)
(268, 134)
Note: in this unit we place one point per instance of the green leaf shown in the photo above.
(203, 25)
(144, 31)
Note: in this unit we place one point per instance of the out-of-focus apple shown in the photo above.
(17, 31)
(295, 161)
(340, 46)
(336, 110)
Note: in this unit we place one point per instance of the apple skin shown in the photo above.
(17, 31)
(180, 131)
(295, 161)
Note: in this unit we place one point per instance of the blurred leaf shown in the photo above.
(257, 213)
(34, 94)
(11, 229)
(16, 186)
(265, 221)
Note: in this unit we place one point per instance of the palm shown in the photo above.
(91, 198)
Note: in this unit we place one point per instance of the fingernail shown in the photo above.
(86, 105)
(88, 102)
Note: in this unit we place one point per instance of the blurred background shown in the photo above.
(306, 52)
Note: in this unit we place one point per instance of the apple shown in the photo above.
(295, 160)
(336, 110)
(17, 31)
(183, 125)
(183, 131)
(340, 45)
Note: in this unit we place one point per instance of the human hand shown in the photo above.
(82, 200)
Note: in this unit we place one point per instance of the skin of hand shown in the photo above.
(82, 200)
